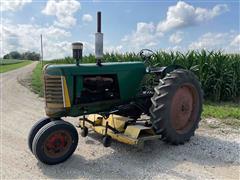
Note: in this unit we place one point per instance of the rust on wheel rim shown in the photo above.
(184, 108)
(57, 144)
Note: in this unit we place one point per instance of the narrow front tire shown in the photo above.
(55, 142)
(35, 128)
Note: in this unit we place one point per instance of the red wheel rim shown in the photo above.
(184, 108)
(57, 144)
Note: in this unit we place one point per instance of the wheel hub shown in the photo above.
(183, 108)
(57, 144)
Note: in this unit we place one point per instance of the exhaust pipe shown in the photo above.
(99, 41)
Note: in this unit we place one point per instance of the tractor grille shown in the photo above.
(53, 90)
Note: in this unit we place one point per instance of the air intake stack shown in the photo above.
(99, 41)
(77, 49)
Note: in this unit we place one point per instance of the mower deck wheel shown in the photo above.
(107, 141)
(84, 132)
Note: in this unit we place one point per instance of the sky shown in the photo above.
(128, 26)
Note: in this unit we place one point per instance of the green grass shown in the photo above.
(12, 66)
(228, 113)
(221, 110)
(37, 81)
(9, 61)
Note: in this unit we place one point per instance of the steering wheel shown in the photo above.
(146, 54)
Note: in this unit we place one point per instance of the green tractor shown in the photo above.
(112, 100)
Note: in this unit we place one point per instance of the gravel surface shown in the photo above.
(211, 153)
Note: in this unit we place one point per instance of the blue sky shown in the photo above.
(127, 26)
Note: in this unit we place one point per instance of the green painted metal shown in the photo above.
(129, 75)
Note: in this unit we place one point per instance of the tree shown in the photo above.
(7, 56)
(31, 56)
(24, 56)
(15, 55)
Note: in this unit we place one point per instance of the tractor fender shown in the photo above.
(162, 71)
(169, 69)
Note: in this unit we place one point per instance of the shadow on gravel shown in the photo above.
(157, 157)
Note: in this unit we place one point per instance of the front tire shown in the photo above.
(35, 128)
(55, 142)
(177, 106)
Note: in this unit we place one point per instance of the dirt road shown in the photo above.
(212, 153)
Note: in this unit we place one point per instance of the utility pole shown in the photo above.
(41, 50)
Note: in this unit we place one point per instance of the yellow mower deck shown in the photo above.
(135, 134)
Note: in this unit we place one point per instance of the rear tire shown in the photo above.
(35, 128)
(55, 142)
(177, 106)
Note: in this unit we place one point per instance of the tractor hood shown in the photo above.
(87, 69)
(69, 88)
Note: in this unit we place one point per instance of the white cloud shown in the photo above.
(184, 14)
(26, 37)
(87, 18)
(175, 48)
(64, 11)
(113, 49)
(32, 19)
(13, 5)
(88, 48)
(176, 38)
(236, 42)
(209, 41)
(145, 36)
(217, 41)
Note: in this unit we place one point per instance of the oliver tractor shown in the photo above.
(112, 100)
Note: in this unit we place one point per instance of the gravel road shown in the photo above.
(211, 153)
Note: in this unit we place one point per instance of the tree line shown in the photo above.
(23, 56)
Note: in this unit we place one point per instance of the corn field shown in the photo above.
(218, 73)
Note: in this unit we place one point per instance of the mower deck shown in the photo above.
(120, 128)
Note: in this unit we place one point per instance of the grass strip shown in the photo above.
(10, 67)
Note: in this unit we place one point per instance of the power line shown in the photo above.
(41, 50)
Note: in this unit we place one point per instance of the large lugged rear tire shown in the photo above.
(55, 142)
(177, 106)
